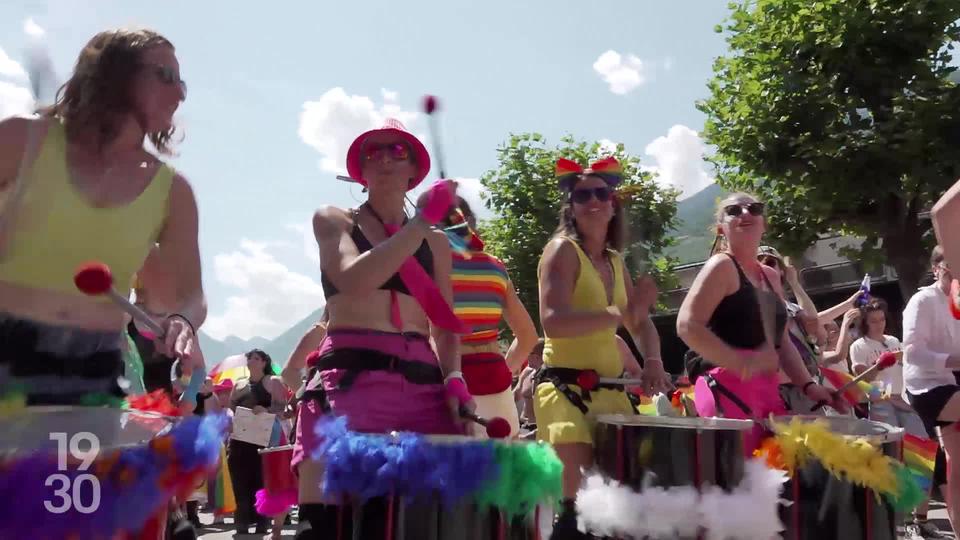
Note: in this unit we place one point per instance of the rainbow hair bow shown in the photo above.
(568, 172)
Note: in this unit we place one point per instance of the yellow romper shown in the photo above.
(558, 420)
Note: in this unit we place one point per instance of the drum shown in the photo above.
(671, 451)
(828, 508)
(89, 472)
(398, 518)
(277, 476)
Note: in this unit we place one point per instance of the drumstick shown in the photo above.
(497, 427)
(954, 299)
(95, 279)
(886, 360)
(430, 106)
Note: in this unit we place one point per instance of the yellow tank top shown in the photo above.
(57, 230)
(597, 350)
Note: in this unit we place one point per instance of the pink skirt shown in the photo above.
(761, 394)
(376, 401)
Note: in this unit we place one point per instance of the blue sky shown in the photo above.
(278, 91)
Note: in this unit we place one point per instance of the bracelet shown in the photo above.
(453, 375)
(806, 385)
(185, 319)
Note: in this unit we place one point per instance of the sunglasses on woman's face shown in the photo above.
(583, 195)
(166, 75)
(736, 210)
(395, 151)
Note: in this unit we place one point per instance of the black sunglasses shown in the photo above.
(583, 195)
(736, 210)
(166, 75)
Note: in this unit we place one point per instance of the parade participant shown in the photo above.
(386, 279)
(78, 184)
(931, 355)
(483, 296)
(734, 316)
(586, 293)
(945, 216)
(263, 392)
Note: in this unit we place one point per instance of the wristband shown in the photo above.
(456, 388)
(453, 374)
(186, 320)
(806, 385)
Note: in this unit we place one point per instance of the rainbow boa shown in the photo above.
(513, 477)
(135, 482)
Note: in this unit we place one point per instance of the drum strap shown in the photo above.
(562, 378)
(357, 361)
(718, 389)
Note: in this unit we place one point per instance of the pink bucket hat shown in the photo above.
(393, 127)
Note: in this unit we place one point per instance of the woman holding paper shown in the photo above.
(262, 393)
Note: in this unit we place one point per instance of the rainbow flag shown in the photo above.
(220, 495)
(233, 368)
(854, 395)
(919, 456)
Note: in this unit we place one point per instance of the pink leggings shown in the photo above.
(377, 401)
(761, 395)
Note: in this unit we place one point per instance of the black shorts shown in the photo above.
(930, 404)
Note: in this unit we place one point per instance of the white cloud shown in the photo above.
(607, 147)
(332, 122)
(32, 29)
(622, 73)
(11, 69)
(270, 299)
(679, 160)
(309, 242)
(14, 99)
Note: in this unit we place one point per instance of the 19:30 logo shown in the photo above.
(81, 492)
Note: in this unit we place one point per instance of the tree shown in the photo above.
(842, 116)
(523, 195)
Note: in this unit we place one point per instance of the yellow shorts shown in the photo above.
(559, 421)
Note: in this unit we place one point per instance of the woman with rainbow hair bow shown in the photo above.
(586, 293)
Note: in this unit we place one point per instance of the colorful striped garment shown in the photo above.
(479, 294)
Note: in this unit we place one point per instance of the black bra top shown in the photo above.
(738, 321)
(423, 255)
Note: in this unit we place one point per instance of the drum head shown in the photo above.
(876, 432)
(41, 428)
(676, 422)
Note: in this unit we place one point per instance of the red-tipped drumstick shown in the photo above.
(497, 427)
(430, 106)
(885, 360)
(95, 279)
(954, 299)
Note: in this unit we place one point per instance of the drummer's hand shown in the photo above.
(655, 378)
(458, 396)
(259, 410)
(818, 393)
(180, 342)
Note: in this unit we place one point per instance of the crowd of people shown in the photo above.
(411, 335)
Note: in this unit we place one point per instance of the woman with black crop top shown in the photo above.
(734, 316)
(386, 279)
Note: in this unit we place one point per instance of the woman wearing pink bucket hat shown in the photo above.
(386, 279)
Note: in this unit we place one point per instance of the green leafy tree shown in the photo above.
(842, 116)
(523, 195)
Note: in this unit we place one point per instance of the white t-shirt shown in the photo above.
(930, 336)
(865, 351)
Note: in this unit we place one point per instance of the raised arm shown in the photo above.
(351, 271)
(946, 221)
(557, 275)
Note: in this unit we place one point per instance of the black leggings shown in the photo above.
(246, 472)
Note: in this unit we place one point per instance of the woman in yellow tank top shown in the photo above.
(77, 184)
(585, 295)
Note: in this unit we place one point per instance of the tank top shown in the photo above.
(737, 319)
(57, 230)
(595, 350)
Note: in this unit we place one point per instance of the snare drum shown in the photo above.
(89, 472)
(279, 491)
(826, 507)
(671, 451)
(399, 518)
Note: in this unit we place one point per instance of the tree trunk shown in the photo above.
(909, 257)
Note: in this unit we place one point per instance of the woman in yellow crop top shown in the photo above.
(77, 185)
(585, 295)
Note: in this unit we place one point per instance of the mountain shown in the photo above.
(695, 232)
(279, 348)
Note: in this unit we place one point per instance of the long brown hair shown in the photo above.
(616, 229)
(97, 95)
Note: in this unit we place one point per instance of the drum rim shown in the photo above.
(890, 434)
(171, 421)
(275, 449)
(683, 422)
